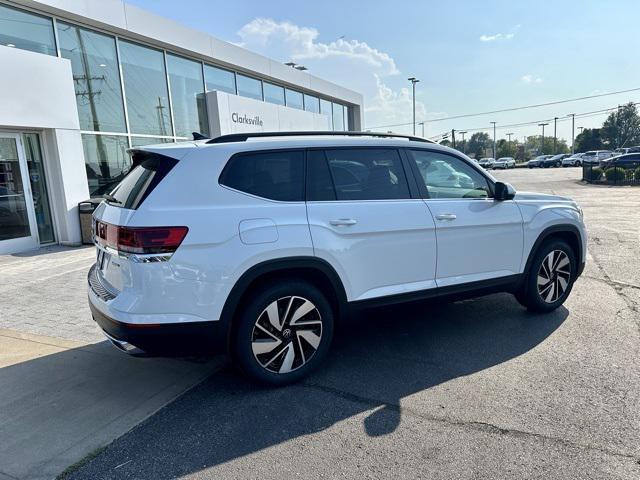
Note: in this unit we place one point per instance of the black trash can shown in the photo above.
(85, 210)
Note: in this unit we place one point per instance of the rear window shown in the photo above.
(148, 171)
(277, 175)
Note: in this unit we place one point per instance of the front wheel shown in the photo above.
(550, 277)
(283, 333)
(577, 164)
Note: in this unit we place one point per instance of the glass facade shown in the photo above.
(273, 93)
(219, 79)
(145, 87)
(294, 99)
(96, 76)
(338, 117)
(129, 94)
(26, 31)
(187, 96)
(249, 87)
(311, 103)
(38, 182)
(106, 160)
(142, 141)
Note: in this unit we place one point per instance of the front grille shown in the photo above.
(96, 285)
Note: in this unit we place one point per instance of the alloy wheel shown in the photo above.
(554, 276)
(286, 334)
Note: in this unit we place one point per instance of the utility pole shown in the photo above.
(509, 144)
(555, 136)
(464, 145)
(494, 139)
(422, 123)
(453, 138)
(580, 128)
(542, 125)
(413, 81)
(573, 132)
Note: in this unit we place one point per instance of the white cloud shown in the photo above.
(530, 79)
(500, 36)
(497, 36)
(303, 44)
(351, 63)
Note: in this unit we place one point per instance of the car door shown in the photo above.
(365, 221)
(478, 238)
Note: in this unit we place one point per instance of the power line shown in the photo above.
(513, 109)
(534, 122)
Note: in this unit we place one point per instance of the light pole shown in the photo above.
(422, 123)
(413, 81)
(464, 145)
(542, 125)
(494, 139)
(555, 137)
(580, 128)
(573, 132)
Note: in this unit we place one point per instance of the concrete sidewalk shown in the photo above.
(62, 399)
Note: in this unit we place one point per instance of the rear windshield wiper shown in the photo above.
(111, 199)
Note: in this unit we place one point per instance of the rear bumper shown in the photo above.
(165, 339)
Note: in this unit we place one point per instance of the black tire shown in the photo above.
(530, 296)
(577, 164)
(558, 164)
(248, 334)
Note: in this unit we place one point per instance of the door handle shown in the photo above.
(446, 216)
(343, 222)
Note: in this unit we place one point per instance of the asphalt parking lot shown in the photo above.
(474, 389)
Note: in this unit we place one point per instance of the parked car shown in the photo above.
(254, 245)
(574, 160)
(504, 163)
(554, 161)
(596, 156)
(625, 150)
(487, 162)
(628, 161)
(537, 162)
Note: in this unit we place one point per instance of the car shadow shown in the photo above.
(378, 358)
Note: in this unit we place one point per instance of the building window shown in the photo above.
(145, 87)
(219, 79)
(249, 87)
(294, 99)
(338, 117)
(26, 31)
(325, 109)
(142, 141)
(96, 77)
(273, 93)
(311, 103)
(187, 96)
(106, 160)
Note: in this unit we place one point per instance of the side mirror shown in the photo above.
(503, 191)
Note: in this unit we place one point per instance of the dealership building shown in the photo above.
(84, 80)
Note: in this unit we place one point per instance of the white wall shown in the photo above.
(227, 111)
(36, 90)
(37, 93)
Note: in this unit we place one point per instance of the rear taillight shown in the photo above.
(140, 240)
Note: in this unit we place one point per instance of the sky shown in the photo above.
(469, 56)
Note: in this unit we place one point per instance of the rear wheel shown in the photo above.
(550, 278)
(577, 164)
(283, 333)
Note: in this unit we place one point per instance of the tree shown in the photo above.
(504, 148)
(534, 146)
(445, 143)
(588, 139)
(621, 128)
(478, 144)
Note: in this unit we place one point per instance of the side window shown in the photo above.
(445, 176)
(367, 174)
(319, 183)
(274, 175)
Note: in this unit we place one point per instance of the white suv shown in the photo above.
(256, 244)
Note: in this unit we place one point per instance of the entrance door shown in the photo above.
(18, 228)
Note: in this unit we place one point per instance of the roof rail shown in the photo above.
(243, 137)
